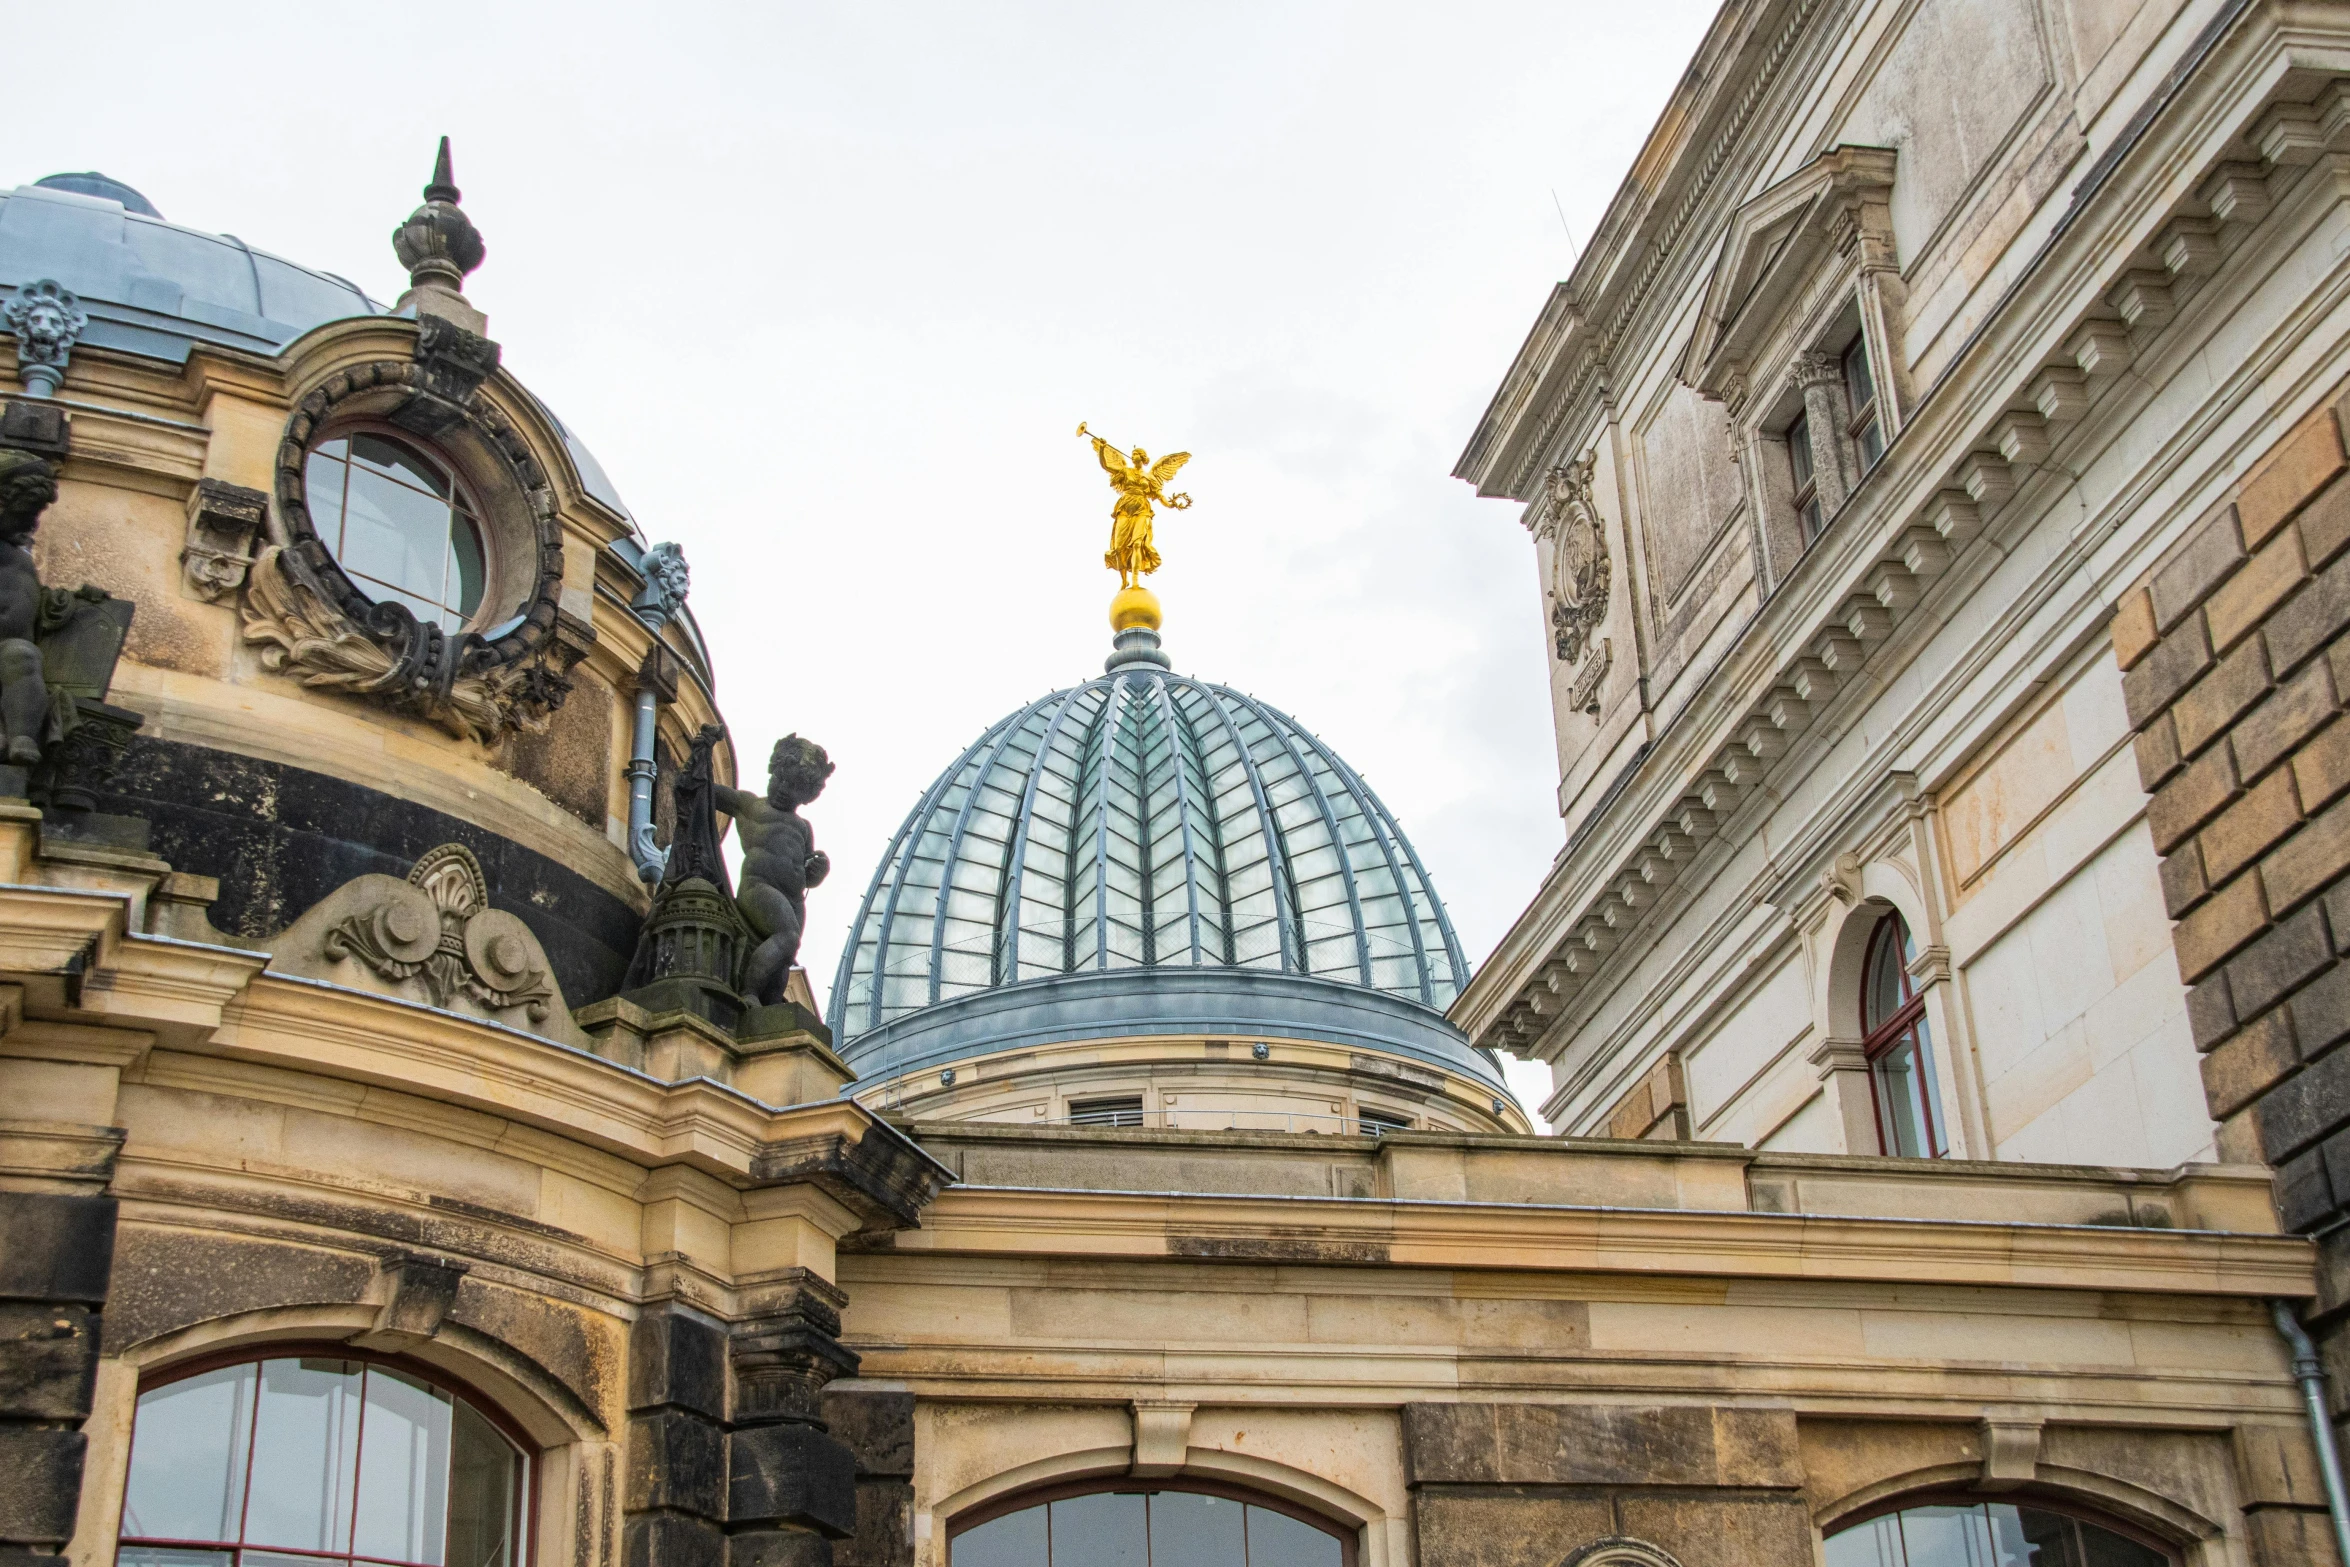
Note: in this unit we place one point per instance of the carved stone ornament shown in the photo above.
(315, 624)
(1620, 1551)
(1583, 695)
(667, 581)
(1580, 570)
(224, 522)
(47, 320)
(433, 933)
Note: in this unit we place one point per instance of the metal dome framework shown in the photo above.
(1143, 820)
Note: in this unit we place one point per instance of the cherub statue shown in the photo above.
(780, 861)
(1139, 483)
(27, 486)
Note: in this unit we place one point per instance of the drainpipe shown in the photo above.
(663, 595)
(2311, 1375)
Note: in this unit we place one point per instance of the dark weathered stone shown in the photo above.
(281, 838)
(677, 1357)
(2321, 1013)
(36, 426)
(885, 1527)
(2306, 1106)
(48, 1360)
(2279, 962)
(875, 1424)
(1722, 1531)
(671, 1540)
(40, 1484)
(167, 1279)
(791, 1474)
(55, 1247)
(676, 1463)
(2305, 1194)
(778, 1548)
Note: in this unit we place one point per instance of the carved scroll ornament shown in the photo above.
(302, 635)
(439, 928)
(1580, 569)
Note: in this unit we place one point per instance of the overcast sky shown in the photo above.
(828, 288)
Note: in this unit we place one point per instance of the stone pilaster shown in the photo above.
(791, 1488)
(674, 1497)
(56, 1257)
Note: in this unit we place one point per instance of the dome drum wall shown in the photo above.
(1151, 856)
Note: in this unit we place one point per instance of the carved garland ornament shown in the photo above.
(314, 624)
(447, 934)
(1581, 574)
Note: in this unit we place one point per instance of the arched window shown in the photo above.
(398, 522)
(1966, 1533)
(1147, 1526)
(1901, 1061)
(308, 1461)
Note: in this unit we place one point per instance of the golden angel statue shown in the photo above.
(1140, 483)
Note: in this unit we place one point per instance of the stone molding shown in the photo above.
(1162, 1436)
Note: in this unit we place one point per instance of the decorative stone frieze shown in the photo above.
(432, 937)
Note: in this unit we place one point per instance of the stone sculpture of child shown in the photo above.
(780, 861)
(27, 486)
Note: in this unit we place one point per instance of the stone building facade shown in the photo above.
(395, 1171)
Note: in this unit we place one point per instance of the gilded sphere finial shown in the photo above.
(1134, 606)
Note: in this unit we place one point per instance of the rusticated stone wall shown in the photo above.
(2236, 666)
(1516, 1485)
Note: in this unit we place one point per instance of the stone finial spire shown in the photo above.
(439, 245)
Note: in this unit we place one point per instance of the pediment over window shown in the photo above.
(1779, 255)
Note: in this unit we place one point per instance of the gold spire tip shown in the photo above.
(1134, 606)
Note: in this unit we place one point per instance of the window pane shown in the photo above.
(1799, 451)
(1859, 390)
(1888, 976)
(403, 1470)
(465, 565)
(1811, 521)
(1101, 1531)
(168, 1556)
(485, 1479)
(304, 1445)
(1876, 1543)
(187, 1479)
(378, 454)
(1190, 1530)
(395, 535)
(322, 492)
(1278, 1540)
(1872, 443)
(1898, 1099)
(1947, 1537)
(1014, 1540)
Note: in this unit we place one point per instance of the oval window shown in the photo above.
(1987, 1534)
(306, 1461)
(1148, 1528)
(398, 523)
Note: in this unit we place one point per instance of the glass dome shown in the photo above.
(1144, 821)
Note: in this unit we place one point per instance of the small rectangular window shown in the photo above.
(1378, 1123)
(1860, 395)
(1106, 1112)
(1807, 489)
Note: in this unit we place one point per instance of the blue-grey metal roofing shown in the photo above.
(157, 289)
(1145, 821)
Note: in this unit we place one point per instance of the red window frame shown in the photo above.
(526, 1500)
(1887, 945)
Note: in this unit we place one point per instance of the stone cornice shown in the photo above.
(981, 1221)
